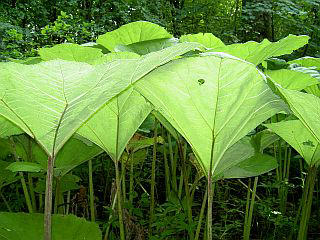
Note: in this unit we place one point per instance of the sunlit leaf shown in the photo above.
(212, 101)
(257, 52)
(300, 138)
(132, 33)
(206, 39)
(292, 79)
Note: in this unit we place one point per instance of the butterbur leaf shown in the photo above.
(251, 167)
(306, 107)
(23, 226)
(58, 96)
(206, 39)
(231, 101)
(132, 33)
(257, 52)
(71, 52)
(112, 127)
(300, 138)
(115, 56)
(25, 167)
(292, 79)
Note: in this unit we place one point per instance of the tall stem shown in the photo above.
(91, 192)
(307, 202)
(153, 177)
(249, 210)
(203, 206)
(48, 200)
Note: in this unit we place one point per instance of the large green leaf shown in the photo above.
(257, 52)
(212, 101)
(206, 39)
(292, 79)
(306, 107)
(112, 127)
(22, 226)
(300, 138)
(307, 62)
(251, 167)
(71, 52)
(51, 100)
(146, 47)
(132, 33)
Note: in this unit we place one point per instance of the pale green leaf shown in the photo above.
(71, 52)
(306, 107)
(112, 127)
(292, 79)
(23, 226)
(206, 39)
(115, 56)
(146, 47)
(257, 52)
(51, 100)
(132, 33)
(212, 101)
(298, 136)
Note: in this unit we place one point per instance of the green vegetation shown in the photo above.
(153, 132)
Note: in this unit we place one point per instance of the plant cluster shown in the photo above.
(211, 113)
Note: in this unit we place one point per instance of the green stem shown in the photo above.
(166, 166)
(249, 221)
(153, 177)
(91, 192)
(110, 217)
(203, 206)
(307, 202)
(173, 164)
(131, 182)
(48, 200)
(186, 185)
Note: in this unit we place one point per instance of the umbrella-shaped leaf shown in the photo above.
(212, 101)
(251, 167)
(51, 100)
(22, 226)
(146, 47)
(206, 39)
(257, 52)
(306, 107)
(292, 79)
(112, 127)
(71, 52)
(132, 33)
(300, 138)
